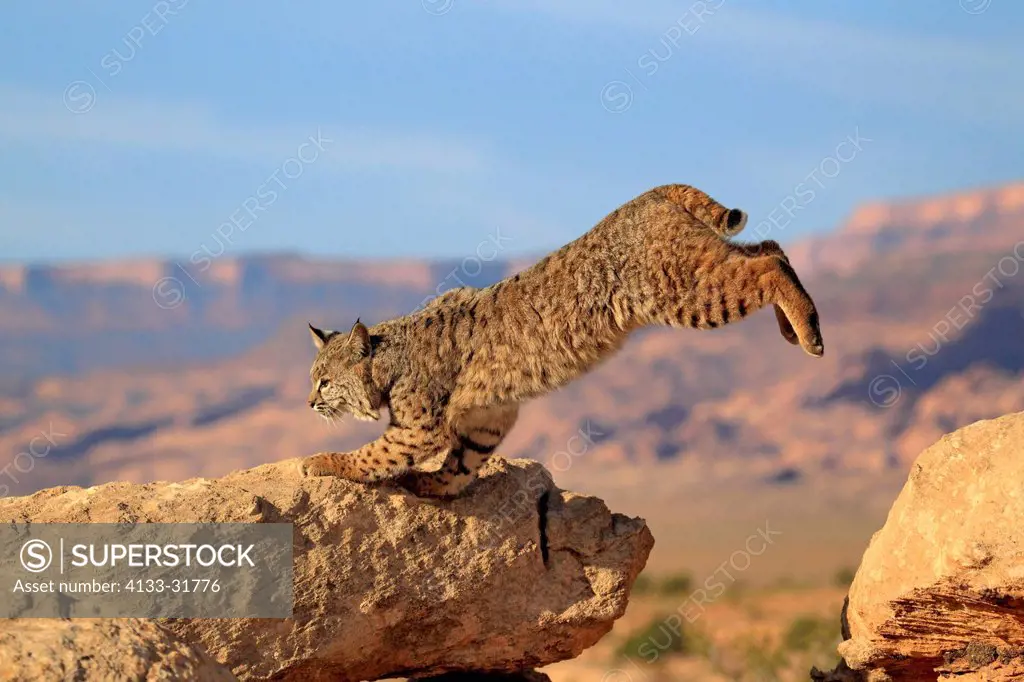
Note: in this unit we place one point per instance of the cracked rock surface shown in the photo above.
(513, 575)
(96, 650)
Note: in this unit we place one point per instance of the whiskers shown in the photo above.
(330, 415)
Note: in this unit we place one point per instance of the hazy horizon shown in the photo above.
(230, 252)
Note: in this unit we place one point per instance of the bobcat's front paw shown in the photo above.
(319, 465)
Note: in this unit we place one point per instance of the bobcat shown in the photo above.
(453, 374)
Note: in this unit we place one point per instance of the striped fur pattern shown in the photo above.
(453, 374)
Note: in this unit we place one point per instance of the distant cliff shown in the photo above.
(922, 307)
(971, 222)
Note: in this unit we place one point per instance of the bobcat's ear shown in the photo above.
(359, 339)
(320, 336)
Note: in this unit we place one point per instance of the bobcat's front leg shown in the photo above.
(389, 456)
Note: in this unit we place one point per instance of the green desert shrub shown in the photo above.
(762, 662)
(643, 584)
(661, 636)
(843, 577)
(679, 584)
(809, 633)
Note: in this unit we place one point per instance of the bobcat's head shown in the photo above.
(341, 375)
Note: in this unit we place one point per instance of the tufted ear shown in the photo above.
(359, 339)
(320, 336)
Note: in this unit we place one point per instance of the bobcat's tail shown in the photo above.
(725, 221)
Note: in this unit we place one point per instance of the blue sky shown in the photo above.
(145, 127)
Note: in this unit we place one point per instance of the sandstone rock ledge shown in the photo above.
(940, 591)
(89, 649)
(515, 575)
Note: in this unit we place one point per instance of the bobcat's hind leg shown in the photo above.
(785, 328)
(771, 248)
(794, 308)
(460, 468)
(480, 431)
(734, 284)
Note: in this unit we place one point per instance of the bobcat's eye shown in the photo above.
(323, 382)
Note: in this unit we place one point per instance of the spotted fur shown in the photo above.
(454, 373)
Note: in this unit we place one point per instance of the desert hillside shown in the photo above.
(159, 369)
(711, 437)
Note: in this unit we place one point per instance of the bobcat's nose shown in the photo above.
(312, 401)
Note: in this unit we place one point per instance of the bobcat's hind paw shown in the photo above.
(785, 327)
(815, 346)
